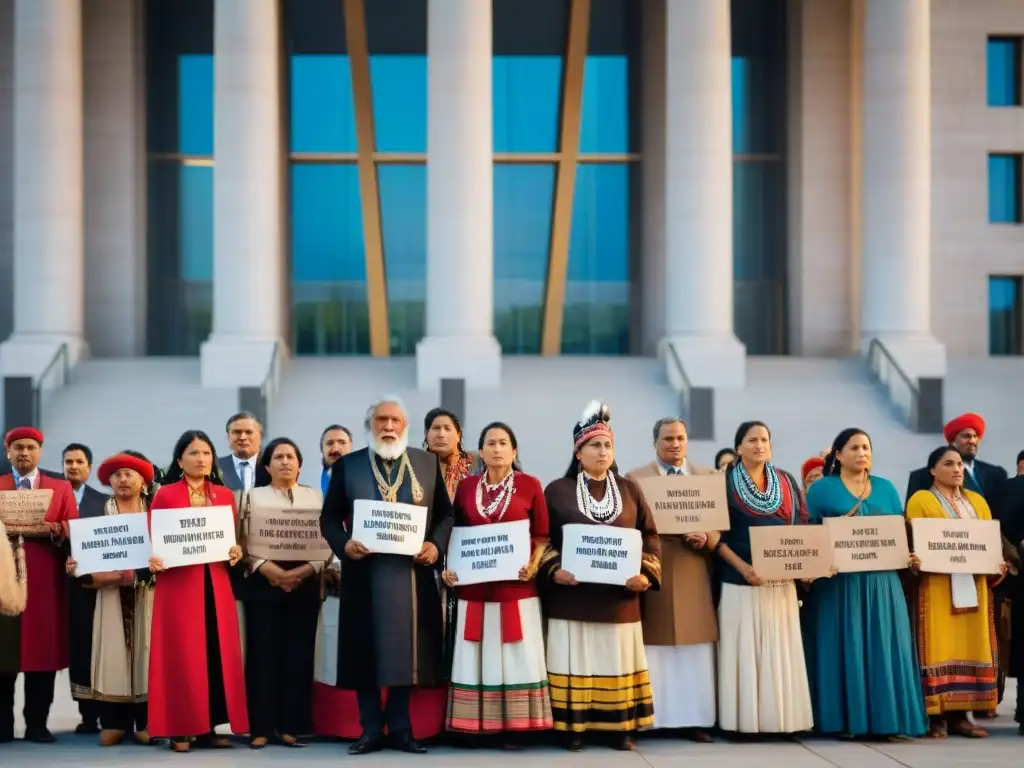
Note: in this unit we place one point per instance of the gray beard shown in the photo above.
(390, 451)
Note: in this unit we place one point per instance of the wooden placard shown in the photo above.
(286, 533)
(869, 543)
(958, 546)
(687, 503)
(781, 552)
(24, 512)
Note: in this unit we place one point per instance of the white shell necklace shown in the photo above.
(499, 505)
(605, 511)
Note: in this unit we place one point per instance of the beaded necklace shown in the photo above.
(498, 506)
(766, 502)
(605, 511)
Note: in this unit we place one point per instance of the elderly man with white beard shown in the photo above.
(390, 632)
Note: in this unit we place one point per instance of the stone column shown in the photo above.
(698, 194)
(896, 286)
(460, 340)
(248, 264)
(48, 192)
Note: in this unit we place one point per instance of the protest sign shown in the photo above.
(869, 543)
(24, 512)
(945, 545)
(687, 503)
(286, 533)
(781, 552)
(192, 535)
(484, 553)
(389, 527)
(601, 554)
(110, 543)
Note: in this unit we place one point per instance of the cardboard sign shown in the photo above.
(192, 535)
(110, 543)
(781, 552)
(286, 533)
(389, 527)
(484, 553)
(601, 554)
(958, 546)
(688, 503)
(24, 512)
(869, 543)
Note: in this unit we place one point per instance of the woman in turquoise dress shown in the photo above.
(861, 661)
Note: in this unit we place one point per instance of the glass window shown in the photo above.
(399, 86)
(1004, 71)
(523, 198)
(1004, 189)
(322, 108)
(759, 62)
(403, 211)
(527, 95)
(330, 312)
(605, 118)
(195, 104)
(596, 319)
(1005, 315)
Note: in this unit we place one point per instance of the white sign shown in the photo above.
(601, 554)
(495, 552)
(389, 527)
(110, 543)
(193, 535)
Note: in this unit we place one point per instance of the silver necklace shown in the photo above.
(505, 489)
(608, 509)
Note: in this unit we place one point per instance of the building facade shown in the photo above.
(462, 179)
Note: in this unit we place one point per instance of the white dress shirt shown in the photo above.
(248, 475)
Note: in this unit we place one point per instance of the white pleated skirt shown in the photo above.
(683, 681)
(762, 677)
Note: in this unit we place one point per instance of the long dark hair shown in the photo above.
(174, 473)
(511, 438)
(262, 478)
(832, 460)
(428, 421)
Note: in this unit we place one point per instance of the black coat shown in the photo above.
(82, 606)
(989, 476)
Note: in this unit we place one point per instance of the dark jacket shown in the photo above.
(988, 476)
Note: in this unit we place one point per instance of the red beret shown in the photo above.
(962, 422)
(813, 463)
(124, 461)
(23, 433)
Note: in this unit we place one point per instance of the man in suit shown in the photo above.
(81, 600)
(679, 621)
(244, 436)
(36, 642)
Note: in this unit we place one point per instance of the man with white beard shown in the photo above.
(390, 631)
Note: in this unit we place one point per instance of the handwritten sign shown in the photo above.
(24, 512)
(193, 535)
(110, 543)
(286, 534)
(687, 503)
(869, 543)
(781, 552)
(484, 553)
(389, 527)
(601, 554)
(958, 546)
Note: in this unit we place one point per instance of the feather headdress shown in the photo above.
(596, 421)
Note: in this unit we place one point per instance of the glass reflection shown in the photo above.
(329, 312)
(403, 210)
(596, 320)
(1004, 189)
(605, 117)
(195, 104)
(322, 109)
(527, 94)
(1004, 72)
(1006, 318)
(399, 87)
(523, 197)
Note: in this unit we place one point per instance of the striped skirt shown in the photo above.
(598, 675)
(499, 686)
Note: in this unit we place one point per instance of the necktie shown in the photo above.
(676, 471)
(25, 484)
(243, 473)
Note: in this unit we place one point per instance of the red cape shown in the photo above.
(178, 690)
(44, 624)
(336, 711)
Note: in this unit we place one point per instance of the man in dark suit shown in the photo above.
(82, 601)
(244, 436)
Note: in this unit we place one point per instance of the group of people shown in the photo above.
(389, 648)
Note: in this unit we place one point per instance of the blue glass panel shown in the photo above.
(399, 85)
(1003, 72)
(330, 314)
(740, 105)
(1004, 189)
(596, 319)
(527, 94)
(403, 211)
(523, 197)
(195, 104)
(1005, 316)
(322, 109)
(605, 119)
(196, 211)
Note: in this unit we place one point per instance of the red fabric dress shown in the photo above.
(178, 681)
(44, 624)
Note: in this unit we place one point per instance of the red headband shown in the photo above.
(595, 430)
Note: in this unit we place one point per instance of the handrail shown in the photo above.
(912, 408)
(684, 391)
(271, 377)
(61, 355)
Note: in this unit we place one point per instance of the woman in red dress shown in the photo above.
(196, 681)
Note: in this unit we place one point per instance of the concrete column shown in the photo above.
(896, 292)
(248, 267)
(698, 193)
(48, 192)
(115, 177)
(6, 168)
(460, 340)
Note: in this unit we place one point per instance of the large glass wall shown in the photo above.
(180, 181)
